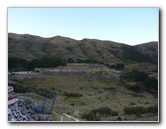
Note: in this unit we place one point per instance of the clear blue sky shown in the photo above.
(126, 25)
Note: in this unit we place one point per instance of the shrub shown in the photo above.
(141, 110)
(136, 76)
(95, 114)
(138, 87)
(135, 110)
(142, 82)
(73, 95)
(103, 111)
(72, 104)
(119, 118)
(90, 117)
(151, 84)
(52, 88)
(119, 66)
(114, 113)
(152, 109)
(20, 89)
(132, 103)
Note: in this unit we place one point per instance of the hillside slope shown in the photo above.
(31, 47)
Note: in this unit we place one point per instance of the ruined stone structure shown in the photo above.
(74, 67)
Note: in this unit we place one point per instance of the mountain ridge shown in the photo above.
(31, 47)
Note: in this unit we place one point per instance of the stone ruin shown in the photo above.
(20, 108)
(74, 67)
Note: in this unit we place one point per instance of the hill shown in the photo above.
(33, 47)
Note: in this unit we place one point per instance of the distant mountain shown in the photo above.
(31, 47)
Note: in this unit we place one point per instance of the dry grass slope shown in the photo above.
(85, 94)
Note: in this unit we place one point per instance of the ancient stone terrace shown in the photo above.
(74, 67)
(84, 66)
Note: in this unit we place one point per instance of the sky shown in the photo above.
(125, 25)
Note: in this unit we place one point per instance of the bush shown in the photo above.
(105, 111)
(119, 118)
(141, 110)
(114, 113)
(95, 114)
(52, 88)
(119, 66)
(152, 109)
(135, 110)
(142, 82)
(19, 64)
(19, 88)
(72, 104)
(91, 116)
(73, 95)
(138, 87)
(136, 76)
(151, 84)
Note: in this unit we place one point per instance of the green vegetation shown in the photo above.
(105, 111)
(135, 110)
(18, 64)
(117, 66)
(88, 60)
(136, 76)
(96, 114)
(141, 110)
(33, 47)
(139, 81)
(90, 117)
(119, 118)
(21, 87)
(73, 95)
(151, 84)
(131, 53)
